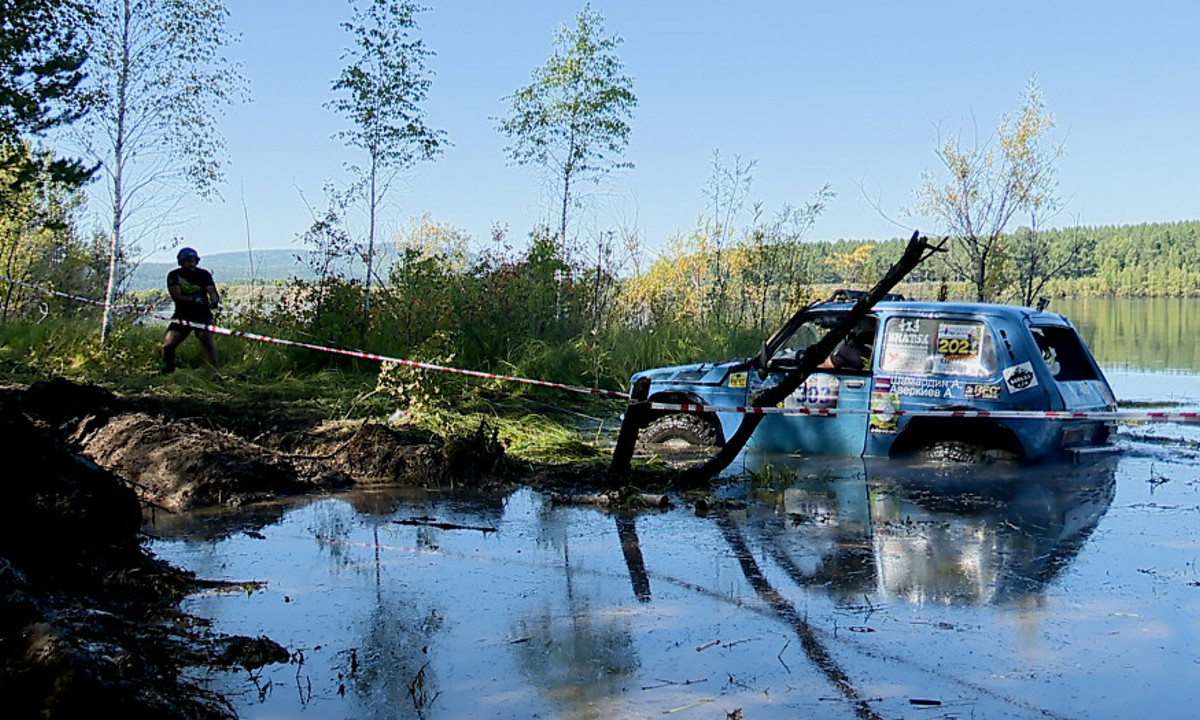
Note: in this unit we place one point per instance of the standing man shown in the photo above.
(195, 295)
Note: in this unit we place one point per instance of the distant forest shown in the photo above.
(1148, 260)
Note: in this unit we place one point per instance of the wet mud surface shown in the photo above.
(163, 569)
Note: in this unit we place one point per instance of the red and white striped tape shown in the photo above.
(1180, 417)
(322, 348)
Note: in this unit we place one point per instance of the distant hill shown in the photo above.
(230, 267)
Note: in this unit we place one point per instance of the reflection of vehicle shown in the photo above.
(978, 536)
(903, 359)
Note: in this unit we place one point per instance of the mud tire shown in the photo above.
(961, 452)
(679, 429)
(953, 451)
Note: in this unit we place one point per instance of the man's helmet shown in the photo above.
(187, 254)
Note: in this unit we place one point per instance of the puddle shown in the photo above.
(827, 589)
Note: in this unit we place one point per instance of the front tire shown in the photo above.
(679, 430)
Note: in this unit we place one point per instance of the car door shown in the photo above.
(835, 400)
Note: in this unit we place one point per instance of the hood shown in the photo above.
(705, 373)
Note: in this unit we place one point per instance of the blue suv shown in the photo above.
(910, 377)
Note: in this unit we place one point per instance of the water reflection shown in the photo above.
(572, 611)
(568, 647)
(925, 534)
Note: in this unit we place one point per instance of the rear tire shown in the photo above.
(680, 430)
(961, 452)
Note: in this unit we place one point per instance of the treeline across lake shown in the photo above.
(1148, 260)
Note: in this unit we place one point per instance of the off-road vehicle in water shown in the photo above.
(873, 395)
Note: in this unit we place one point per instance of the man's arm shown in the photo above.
(213, 297)
(177, 294)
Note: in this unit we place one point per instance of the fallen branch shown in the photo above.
(430, 522)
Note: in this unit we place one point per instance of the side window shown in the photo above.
(1063, 353)
(938, 346)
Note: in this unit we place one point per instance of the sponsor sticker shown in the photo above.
(922, 387)
(883, 418)
(1020, 377)
(981, 391)
(737, 380)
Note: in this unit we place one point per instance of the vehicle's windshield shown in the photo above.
(938, 346)
(855, 351)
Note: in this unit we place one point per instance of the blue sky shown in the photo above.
(853, 94)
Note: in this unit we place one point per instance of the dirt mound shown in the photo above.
(61, 403)
(88, 619)
(179, 465)
(380, 454)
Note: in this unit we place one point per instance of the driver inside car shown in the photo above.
(852, 353)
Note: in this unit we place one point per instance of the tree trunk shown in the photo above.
(118, 175)
(373, 202)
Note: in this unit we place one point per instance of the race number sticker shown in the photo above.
(819, 392)
(959, 341)
(1020, 377)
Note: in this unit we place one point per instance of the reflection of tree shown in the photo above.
(393, 657)
(388, 668)
(631, 548)
(783, 608)
(579, 660)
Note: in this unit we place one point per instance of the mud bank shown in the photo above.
(88, 618)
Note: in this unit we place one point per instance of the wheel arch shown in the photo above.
(984, 433)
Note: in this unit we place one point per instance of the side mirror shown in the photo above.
(763, 361)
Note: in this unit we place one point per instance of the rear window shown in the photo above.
(1064, 354)
(938, 346)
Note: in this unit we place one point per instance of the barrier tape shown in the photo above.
(322, 348)
(1181, 417)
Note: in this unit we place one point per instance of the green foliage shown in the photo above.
(986, 186)
(39, 243)
(41, 67)
(68, 347)
(572, 120)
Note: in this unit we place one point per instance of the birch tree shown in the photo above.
(573, 118)
(988, 185)
(380, 93)
(158, 81)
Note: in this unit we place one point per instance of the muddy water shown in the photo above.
(817, 589)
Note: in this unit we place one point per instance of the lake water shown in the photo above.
(818, 589)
